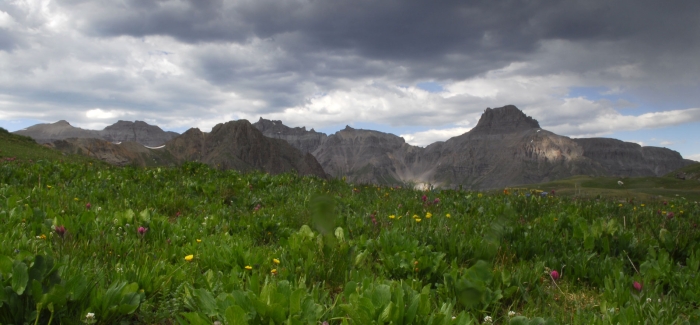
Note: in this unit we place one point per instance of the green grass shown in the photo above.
(640, 188)
(83, 242)
(287, 249)
(18, 147)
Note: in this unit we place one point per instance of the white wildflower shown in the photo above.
(511, 313)
(620, 183)
(488, 319)
(648, 300)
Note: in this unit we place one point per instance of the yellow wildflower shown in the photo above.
(448, 215)
(479, 195)
(418, 219)
(642, 205)
(276, 261)
(248, 267)
(75, 199)
(42, 236)
(199, 240)
(392, 217)
(189, 258)
(274, 271)
(428, 215)
(48, 186)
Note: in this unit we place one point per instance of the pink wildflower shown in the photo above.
(555, 275)
(61, 230)
(637, 286)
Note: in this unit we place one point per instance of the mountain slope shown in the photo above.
(122, 131)
(505, 148)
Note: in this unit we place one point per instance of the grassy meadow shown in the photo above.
(86, 243)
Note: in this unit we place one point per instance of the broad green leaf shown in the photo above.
(295, 301)
(206, 302)
(235, 315)
(20, 277)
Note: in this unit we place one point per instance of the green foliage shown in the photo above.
(260, 249)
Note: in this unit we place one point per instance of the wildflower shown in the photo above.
(142, 231)
(506, 193)
(75, 199)
(248, 267)
(648, 300)
(392, 217)
(488, 319)
(436, 201)
(637, 286)
(479, 195)
(448, 215)
(620, 183)
(61, 230)
(198, 241)
(428, 215)
(511, 313)
(90, 316)
(48, 186)
(276, 261)
(189, 258)
(620, 205)
(274, 271)
(669, 215)
(418, 219)
(88, 206)
(641, 205)
(424, 198)
(555, 275)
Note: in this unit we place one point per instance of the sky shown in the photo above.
(424, 70)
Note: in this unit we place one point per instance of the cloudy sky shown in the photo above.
(424, 70)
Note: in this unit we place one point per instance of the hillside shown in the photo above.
(505, 148)
(121, 131)
(17, 147)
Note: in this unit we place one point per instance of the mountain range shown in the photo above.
(505, 148)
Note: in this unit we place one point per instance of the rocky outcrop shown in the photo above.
(122, 131)
(298, 137)
(238, 145)
(620, 158)
(50, 132)
(232, 145)
(123, 154)
(366, 156)
(505, 148)
(504, 120)
(138, 131)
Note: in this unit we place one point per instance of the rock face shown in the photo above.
(367, 156)
(122, 131)
(233, 145)
(138, 131)
(620, 158)
(238, 145)
(123, 154)
(306, 141)
(505, 148)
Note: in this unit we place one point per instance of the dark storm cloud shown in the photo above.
(437, 39)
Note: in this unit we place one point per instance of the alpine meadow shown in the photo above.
(85, 242)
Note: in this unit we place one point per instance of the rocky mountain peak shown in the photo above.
(62, 122)
(506, 119)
